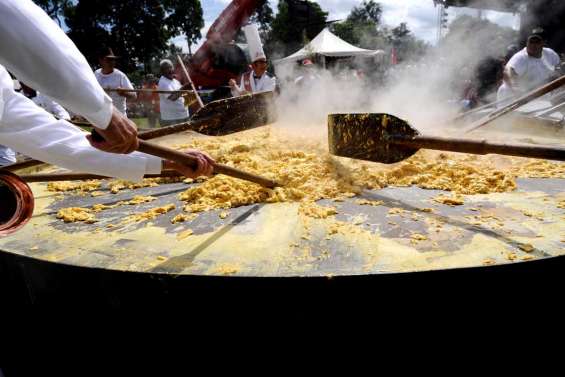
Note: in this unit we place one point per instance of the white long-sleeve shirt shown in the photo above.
(51, 106)
(32, 131)
(37, 51)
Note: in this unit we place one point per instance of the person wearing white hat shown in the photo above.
(257, 80)
(173, 109)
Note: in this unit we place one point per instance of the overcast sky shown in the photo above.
(421, 15)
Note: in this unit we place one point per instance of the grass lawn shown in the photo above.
(141, 122)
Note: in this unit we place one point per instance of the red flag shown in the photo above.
(393, 57)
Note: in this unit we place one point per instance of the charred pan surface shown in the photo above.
(367, 137)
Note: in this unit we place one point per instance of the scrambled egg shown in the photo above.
(309, 173)
(86, 186)
(151, 214)
(454, 200)
(74, 214)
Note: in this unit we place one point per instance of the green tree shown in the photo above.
(368, 11)
(297, 21)
(54, 8)
(264, 17)
(137, 30)
(362, 26)
(185, 17)
(407, 46)
(401, 31)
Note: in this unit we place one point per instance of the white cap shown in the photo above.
(166, 62)
(254, 41)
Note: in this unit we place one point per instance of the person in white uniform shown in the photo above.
(173, 109)
(529, 68)
(257, 80)
(109, 77)
(38, 52)
(45, 102)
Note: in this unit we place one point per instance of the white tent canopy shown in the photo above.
(328, 44)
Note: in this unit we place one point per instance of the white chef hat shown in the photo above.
(254, 41)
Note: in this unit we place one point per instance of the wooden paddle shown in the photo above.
(59, 177)
(217, 118)
(478, 109)
(183, 158)
(199, 124)
(387, 139)
(155, 91)
(190, 161)
(185, 71)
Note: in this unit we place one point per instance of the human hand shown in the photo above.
(119, 137)
(205, 165)
(174, 96)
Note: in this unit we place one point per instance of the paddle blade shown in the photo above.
(367, 136)
(236, 114)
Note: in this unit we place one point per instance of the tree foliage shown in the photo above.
(407, 46)
(186, 17)
(363, 28)
(263, 16)
(368, 12)
(297, 22)
(54, 8)
(137, 30)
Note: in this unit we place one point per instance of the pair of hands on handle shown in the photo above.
(121, 137)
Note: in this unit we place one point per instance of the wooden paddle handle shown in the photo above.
(146, 135)
(183, 158)
(59, 177)
(536, 93)
(151, 91)
(480, 147)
